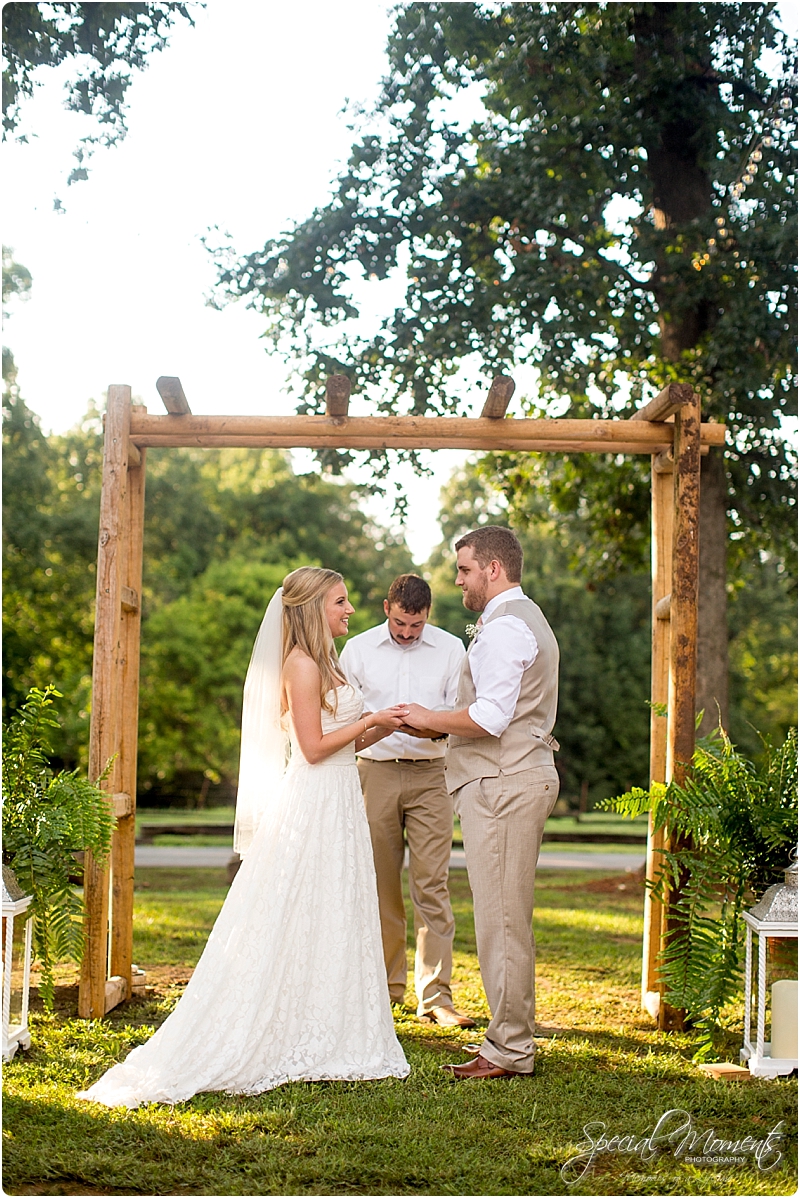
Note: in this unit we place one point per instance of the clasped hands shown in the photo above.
(410, 718)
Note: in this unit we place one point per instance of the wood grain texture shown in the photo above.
(337, 395)
(499, 397)
(115, 992)
(662, 608)
(683, 644)
(664, 462)
(661, 573)
(684, 590)
(666, 403)
(171, 391)
(106, 689)
(130, 599)
(420, 432)
(122, 803)
(123, 850)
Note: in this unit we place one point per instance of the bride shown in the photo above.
(291, 985)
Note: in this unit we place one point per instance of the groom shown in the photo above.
(499, 769)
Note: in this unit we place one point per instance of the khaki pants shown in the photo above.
(503, 820)
(411, 796)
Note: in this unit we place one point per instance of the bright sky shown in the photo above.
(238, 123)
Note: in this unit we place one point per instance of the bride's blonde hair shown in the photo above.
(305, 626)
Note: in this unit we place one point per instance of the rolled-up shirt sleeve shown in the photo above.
(502, 652)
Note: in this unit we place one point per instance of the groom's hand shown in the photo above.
(420, 733)
(418, 719)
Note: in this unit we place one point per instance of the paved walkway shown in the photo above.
(188, 858)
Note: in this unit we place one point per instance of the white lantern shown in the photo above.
(17, 943)
(774, 917)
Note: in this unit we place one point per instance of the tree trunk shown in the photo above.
(680, 195)
(712, 632)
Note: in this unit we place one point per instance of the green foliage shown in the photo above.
(46, 818)
(16, 277)
(194, 658)
(50, 515)
(575, 226)
(222, 528)
(763, 652)
(732, 827)
(603, 630)
(105, 43)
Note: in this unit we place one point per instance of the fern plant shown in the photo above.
(735, 824)
(48, 816)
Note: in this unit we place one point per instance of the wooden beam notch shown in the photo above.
(171, 392)
(666, 403)
(499, 397)
(337, 396)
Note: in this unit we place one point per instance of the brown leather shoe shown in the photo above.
(447, 1017)
(479, 1069)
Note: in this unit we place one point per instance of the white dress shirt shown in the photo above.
(503, 649)
(426, 672)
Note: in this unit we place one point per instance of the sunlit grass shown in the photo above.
(600, 1059)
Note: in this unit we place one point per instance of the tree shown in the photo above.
(603, 627)
(603, 630)
(622, 215)
(105, 43)
(16, 284)
(221, 526)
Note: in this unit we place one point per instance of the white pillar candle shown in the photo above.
(784, 1020)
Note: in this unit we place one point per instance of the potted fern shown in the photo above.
(735, 822)
(47, 818)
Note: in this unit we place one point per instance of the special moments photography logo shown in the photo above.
(675, 1132)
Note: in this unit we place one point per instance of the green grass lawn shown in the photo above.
(600, 1061)
(584, 826)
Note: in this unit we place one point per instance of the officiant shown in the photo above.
(408, 660)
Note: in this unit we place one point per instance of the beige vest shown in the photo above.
(527, 741)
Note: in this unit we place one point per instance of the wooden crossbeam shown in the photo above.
(499, 397)
(337, 395)
(666, 403)
(171, 391)
(410, 432)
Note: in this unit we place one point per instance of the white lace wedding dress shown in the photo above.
(291, 985)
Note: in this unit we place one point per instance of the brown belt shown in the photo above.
(402, 760)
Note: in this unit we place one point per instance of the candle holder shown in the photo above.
(774, 917)
(17, 945)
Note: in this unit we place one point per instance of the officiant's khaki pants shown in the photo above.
(411, 797)
(502, 820)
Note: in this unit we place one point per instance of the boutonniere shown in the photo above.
(471, 630)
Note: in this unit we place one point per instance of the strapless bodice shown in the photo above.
(348, 709)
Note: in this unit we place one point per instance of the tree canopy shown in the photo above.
(621, 215)
(105, 42)
(603, 629)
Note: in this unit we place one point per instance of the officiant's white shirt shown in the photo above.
(425, 672)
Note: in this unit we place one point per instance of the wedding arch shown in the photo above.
(668, 428)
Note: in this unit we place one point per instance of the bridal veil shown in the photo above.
(265, 742)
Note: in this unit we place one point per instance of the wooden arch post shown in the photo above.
(668, 430)
(675, 556)
(106, 967)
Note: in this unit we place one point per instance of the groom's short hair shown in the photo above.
(411, 593)
(493, 543)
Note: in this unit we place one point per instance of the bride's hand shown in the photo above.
(390, 718)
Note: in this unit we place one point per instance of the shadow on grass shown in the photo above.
(428, 1135)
